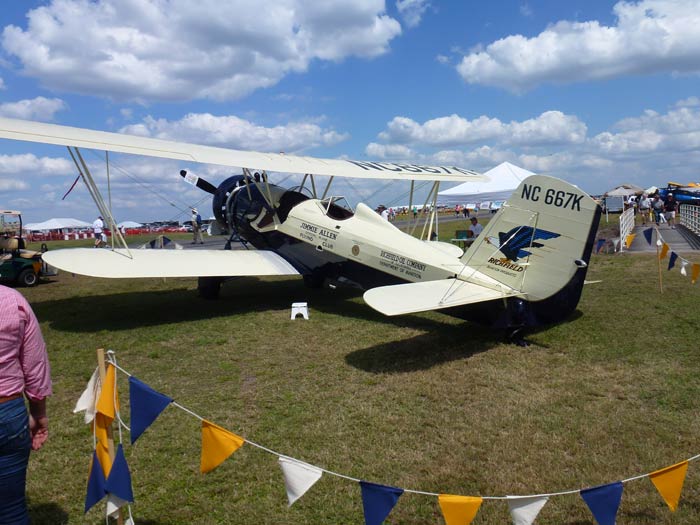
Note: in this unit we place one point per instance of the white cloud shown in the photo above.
(392, 151)
(690, 101)
(2, 83)
(651, 36)
(525, 10)
(13, 185)
(412, 11)
(28, 165)
(180, 50)
(551, 127)
(39, 108)
(652, 133)
(237, 133)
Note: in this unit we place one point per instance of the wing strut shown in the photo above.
(97, 197)
(432, 197)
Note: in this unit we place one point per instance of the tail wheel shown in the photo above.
(28, 278)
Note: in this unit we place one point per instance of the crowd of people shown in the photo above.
(654, 208)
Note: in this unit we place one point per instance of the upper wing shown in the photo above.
(86, 138)
(430, 295)
(168, 263)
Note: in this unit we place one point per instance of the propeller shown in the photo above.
(199, 182)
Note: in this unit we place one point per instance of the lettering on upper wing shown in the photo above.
(552, 197)
(408, 168)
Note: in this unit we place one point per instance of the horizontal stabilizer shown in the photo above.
(431, 295)
(120, 263)
(447, 247)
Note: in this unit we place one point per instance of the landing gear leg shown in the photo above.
(209, 287)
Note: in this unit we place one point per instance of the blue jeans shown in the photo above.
(15, 445)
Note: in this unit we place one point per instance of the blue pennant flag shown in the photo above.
(599, 245)
(647, 235)
(672, 260)
(604, 502)
(378, 500)
(119, 479)
(96, 484)
(146, 406)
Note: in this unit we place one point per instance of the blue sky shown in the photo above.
(595, 92)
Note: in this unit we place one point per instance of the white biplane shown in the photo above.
(526, 269)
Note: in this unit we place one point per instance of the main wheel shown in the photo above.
(28, 278)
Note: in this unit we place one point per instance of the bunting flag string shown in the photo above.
(674, 257)
(378, 500)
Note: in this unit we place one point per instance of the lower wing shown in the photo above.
(431, 295)
(119, 263)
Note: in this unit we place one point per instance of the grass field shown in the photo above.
(422, 402)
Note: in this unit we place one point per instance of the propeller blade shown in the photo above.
(199, 182)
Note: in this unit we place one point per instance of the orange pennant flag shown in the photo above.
(101, 424)
(629, 239)
(695, 272)
(664, 251)
(669, 482)
(459, 510)
(217, 445)
(108, 402)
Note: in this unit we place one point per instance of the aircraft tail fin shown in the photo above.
(540, 242)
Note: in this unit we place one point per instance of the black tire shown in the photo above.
(209, 287)
(28, 278)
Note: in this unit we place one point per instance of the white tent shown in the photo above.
(624, 190)
(503, 180)
(129, 224)
(56, 224)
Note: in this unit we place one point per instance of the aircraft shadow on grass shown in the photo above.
(440, 341)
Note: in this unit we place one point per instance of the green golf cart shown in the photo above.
(18, 265)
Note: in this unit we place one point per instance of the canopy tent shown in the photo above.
(503, 180)
(57, 224)
(129, 224)
(624, 190)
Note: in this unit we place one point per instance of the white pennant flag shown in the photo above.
(659, 243)
(684, 272)
(114, 503)
(524, 509)
(298, 477)
(89, 397)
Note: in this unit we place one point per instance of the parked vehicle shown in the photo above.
(17, 264)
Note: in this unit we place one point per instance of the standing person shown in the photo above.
(97, 230)
(24, 371)
(670, 209)
(196, 227)
(475, 228)
(644, 206)
(657, 205)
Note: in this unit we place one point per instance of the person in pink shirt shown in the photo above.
(24, 372)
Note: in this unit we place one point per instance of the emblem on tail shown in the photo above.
(512, 244)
